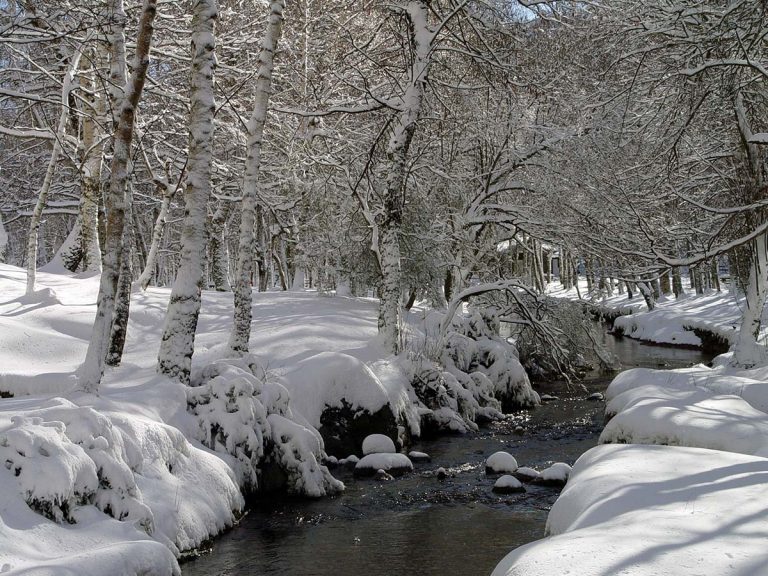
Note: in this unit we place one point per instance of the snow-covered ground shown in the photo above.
(132, 453)
(124, 481)
(678, 486)
(672, 321)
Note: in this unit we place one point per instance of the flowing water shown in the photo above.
(419, 524)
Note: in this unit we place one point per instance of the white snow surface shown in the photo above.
(672, 321)
(384, 462)
(134, 470)
(507, 481)
(378, 444)
(640, 510)
(501, 463)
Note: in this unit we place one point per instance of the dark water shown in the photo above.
(419, 524)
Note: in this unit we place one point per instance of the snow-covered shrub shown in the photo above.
(231, 417)
(251, 420)
(53, 473)
(563, 339)
(448, 406)
(298, 452)
(65, 455)
(498, 379)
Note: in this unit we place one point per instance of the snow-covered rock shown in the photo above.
(378, 444)
(525, 474)
(418, 457)
(395, 464)
(508, 484)
(500, 463)
(344, 399)
(555, 475)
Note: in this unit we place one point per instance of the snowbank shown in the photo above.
(657, 415)
(649, 510)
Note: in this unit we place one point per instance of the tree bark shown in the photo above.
(178, 341)
(42, 195)
(241, 329)
(91, 371)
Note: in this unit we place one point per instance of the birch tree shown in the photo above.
(241, 329)
(178, 341)
(91, 371)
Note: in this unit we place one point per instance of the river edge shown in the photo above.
(420, 505)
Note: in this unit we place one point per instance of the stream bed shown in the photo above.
(419, 524)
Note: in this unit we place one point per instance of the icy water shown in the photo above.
(419, 524)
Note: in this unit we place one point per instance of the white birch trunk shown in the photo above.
(42, 196)
(157, 236)
(746, 352)
(91, 371)
(3, 241)
(399, 143)
(178, 341)
(219, 252)
(241, 329)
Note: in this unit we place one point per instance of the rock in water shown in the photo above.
(395, 464)
(508, 484)
(500, 463)
(378, 444)
(525, 474)
(555, 475)
(419, 457)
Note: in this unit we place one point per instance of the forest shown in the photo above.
(252, 249)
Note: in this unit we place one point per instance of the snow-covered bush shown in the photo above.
(498, 379)
(65, 455)
(251, 420)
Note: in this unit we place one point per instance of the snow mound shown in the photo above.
(332, 379)
(392, 463)
(378, 444)
(718, 380)
(508, 484)
(685, 511)
(556, 474)
(500, 463)
(657, 415)
(52, 473)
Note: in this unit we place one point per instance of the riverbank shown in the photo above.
(674, 321)
(126, 480)
(678, 485)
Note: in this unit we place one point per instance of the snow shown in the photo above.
(642, 510)
(557, 473)
(378, 443)
(386, 462)
(501, 463)
(673, 320)
(507, 483)
(149, 467)
(683, 495)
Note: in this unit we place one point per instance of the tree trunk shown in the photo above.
(92, 369)
(123, 297)
(178, 343)
(219, 252)
(677, 283)
(157, 236)
(241, 329)
(390, 222)
(42, 195)
(746, 351)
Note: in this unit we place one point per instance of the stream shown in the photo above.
(419, 524)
